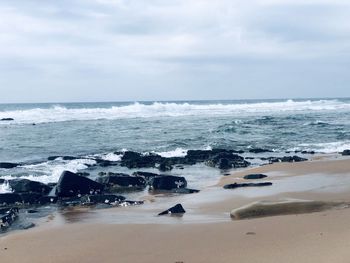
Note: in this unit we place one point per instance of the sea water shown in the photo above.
(167, 128)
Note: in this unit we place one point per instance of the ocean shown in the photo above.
(167, 128)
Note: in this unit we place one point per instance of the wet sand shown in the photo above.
(310, 237)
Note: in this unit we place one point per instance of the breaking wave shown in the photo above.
(61, 113)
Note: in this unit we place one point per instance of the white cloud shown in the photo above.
(156, 37)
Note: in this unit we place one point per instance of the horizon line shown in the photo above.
(176, 100)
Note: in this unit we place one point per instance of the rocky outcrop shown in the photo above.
(7, 119)
(70, 185)
(175, 210)
(237, 185)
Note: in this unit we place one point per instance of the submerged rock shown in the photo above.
(284, 207)
(285, 159)
(236, 185)
(6, 165)
(168, 182)
(165, 166)
(185, 191)
(102, 199)
(254, 176)
(7, 119)
(70, 185)
(177, 209)
(259, 150)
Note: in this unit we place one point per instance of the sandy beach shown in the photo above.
(311, 237)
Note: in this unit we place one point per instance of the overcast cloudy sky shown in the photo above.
(113, 50)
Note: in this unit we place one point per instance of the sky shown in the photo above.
(133, 50)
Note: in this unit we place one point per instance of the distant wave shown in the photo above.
(139, 110)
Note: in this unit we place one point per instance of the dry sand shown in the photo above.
(315, 237)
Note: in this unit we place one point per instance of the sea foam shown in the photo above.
(139, 110)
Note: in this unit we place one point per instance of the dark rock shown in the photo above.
(136, 160)
(165, 166)
(10, 199)
(236, 185)
(102, 199)
(130, 155)
(30, 198)
(45, 200)
(177, 209)
(308, 152)
(106, 163)
(52, 184)
(131, 203)
(254, 176)
(168, 182)
(146, 175)
(32, 211)
(85, 174)
(345, 153)
(224, 164)
(6, 165)
(69, 201)
(7, 217)
(66, 158)
(290, 159)
(199, 155)
(2, 181)
(27, 225)
(7, 119)
(122, 181)
(259, 150)
(184, 191)
(226, 160)
(70, 185)
(25, 185)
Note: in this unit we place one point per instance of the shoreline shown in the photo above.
(310, 237)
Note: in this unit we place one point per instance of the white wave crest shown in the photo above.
(52, 170)
(139, 110)
(329, 147)
(5, 187)
(178, 152)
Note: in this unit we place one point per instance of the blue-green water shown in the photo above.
(169, 128)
